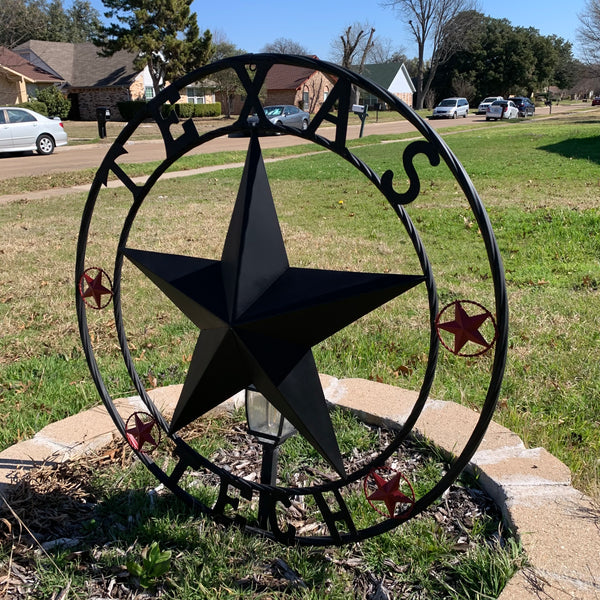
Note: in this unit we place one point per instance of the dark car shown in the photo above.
(596, 101)
(525, 106)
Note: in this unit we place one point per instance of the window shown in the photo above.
(148, 92)
(19, 116)
(325, 93)
(195, 95)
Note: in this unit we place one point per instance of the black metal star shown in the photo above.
(259, 317)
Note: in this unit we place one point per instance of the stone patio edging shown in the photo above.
(558, 526)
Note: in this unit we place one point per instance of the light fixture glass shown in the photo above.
(265, 421)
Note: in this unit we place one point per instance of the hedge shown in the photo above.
(128, 108)
(186, 111)
(183, 110)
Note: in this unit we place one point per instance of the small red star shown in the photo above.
(465, 328)
(389, 493)
(95, 289)
(141, 432)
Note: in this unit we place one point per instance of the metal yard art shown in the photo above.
(257, 316)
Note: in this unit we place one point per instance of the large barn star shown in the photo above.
(259, 317)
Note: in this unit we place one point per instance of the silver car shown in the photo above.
(22, 129)
(451, 108)
(284, 114)
(482, 108)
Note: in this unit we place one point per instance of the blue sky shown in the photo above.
(250, 24)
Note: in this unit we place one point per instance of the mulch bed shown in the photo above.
(49, 506)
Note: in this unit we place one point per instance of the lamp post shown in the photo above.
(271, 429)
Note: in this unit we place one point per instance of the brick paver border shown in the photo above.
(558, 526)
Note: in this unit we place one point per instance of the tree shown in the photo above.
(353, 46)
(84, 22)
(352, 49)
(439, 24)
(588, 32)
(503, 59)
(285, 46)
(227, 82)
(22, 20)
(384, 51)
(164, 35)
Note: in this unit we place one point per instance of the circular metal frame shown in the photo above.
(251, 71)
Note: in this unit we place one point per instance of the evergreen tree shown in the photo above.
(164, 35)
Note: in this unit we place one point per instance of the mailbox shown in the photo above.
(359, 109)
(102, 115)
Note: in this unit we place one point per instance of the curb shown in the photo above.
(558, 526)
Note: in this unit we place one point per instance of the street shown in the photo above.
(86, 156)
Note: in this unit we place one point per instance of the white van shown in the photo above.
(451, 108)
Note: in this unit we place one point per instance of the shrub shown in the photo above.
(207, 110)
(36, 105)
(129, 108)
(55, 101)
(187, 111)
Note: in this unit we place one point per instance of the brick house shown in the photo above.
(300, 86)
(286, 84)
(20, 79)
(92, 81)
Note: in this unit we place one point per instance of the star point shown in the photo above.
(259, 317)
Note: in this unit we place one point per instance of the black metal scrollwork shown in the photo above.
(418, 147)
(330, 497)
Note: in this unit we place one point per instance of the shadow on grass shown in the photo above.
(577, 148)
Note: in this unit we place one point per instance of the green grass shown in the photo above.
(209, 561)
(539, 181)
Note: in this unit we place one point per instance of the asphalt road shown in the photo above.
(73, 158)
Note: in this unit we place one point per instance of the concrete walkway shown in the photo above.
(558, 526)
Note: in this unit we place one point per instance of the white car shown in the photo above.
(451, 108)
(22, 129)
(481, 109)
(501, 109)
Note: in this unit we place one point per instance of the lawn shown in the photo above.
(539, 181)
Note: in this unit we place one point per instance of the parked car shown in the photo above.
(451, 108)
(501, 109)
(481, 109)
(596, 101)
(284, 114)
(23, 129)
(525, 105)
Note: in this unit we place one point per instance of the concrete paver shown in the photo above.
(558, 527)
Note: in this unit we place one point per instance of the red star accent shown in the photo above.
(141, 432)
(389, 493)
(465, 328)
(95, 289)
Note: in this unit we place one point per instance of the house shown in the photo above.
(93, 81)
(392, 77)
(19, 79)
(299, 86)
